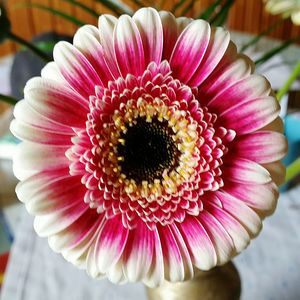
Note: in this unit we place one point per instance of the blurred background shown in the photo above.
(271, 41)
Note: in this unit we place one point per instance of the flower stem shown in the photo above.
(30, 46)
(292, 170)
(8, 99)
(289, 82)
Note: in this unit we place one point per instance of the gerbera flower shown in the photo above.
(287, 8)
(149, 148)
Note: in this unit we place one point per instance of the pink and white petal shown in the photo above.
(200, 246)
(242, 170)
(189, 50)
(138, 253)
(276, 125)
(173, 261)
(37, 157)
(116, 274)
(51, 71)
(237, 232)
(155, 276)
(91, 260)
(56, 102)
(110, 244)
(260, 197)
(241, 212)
(76, 69)
(261, 146)
(170, 33)
(27, 115)
(107, 24)
(182, 23)
(218, 44)
(91, 48)
(149, 25)
(277, 170)
(49, 224)
(221, 240)
(34, 134)
(228, 73)
(251, 87)
(128, 47)
(187, 262)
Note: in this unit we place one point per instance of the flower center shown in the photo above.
(147, 149)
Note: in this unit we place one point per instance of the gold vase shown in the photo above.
(220, 283)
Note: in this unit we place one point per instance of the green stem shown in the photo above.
(254, 40)
(289, 82)
(8, 99)
(30, 46)
(292, 170)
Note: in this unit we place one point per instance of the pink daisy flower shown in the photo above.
(149, 148)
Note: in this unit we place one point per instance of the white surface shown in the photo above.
(270, 267)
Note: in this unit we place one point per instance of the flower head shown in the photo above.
(149, 148)
(287, 8)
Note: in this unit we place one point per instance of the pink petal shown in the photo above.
(198, 243)
(107, 24)
(149, 25)
(250, 116)
(262, 146)
(138, 253)
(169, 33)
(243, 170)
(220, 238)
(76, 69)
(261, 197)
(56, 102)
(110, 244)
(237, 232)
(189, 50)
(91, 48)
(128, 47)
(219, 41)
(241, 212)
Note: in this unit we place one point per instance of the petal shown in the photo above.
(155, 276)
(237, 232)
(27, 115)
(199, 245)
(91, 48)
(56, 102)
(219, 41)
(261, 197)
(189, 50)
(149, 25)
(277, 170)
(241, 212)
(51, 71)
(110, 244)
(107, 24)
(243, 170)
(138, 253)
(218, 235)
(76, 69)
(261, 146)
(128, 47)
(169, 33)
(247, 117)
(33, 157)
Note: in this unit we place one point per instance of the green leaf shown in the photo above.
(83, 7)
(8, 99)
(4, 24)
(268, 55)
(292, 170)
(116, 6)
(222, 16)
(53, 11)
(205, 15)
